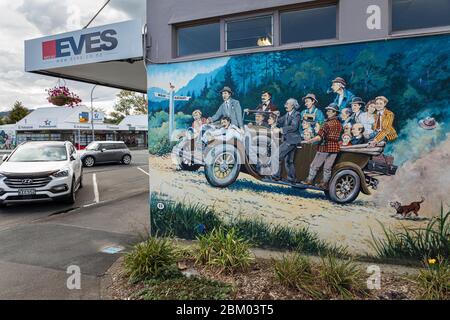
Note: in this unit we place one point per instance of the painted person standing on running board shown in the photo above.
(328, 149)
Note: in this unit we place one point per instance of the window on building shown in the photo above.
(309, 24)
(418, 14)
(249, 33)
(198, 39)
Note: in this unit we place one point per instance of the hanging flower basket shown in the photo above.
(61, 96)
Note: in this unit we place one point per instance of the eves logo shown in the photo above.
(88, 43)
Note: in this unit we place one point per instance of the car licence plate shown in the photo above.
(27, 192)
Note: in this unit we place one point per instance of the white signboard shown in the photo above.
(100, 44)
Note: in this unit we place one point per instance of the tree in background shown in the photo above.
(17, 113)
(129, 103)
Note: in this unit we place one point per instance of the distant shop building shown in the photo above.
(75, 125)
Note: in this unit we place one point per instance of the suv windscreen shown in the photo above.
(39, 153)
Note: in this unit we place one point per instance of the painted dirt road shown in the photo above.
(347, 225)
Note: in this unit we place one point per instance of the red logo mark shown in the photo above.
(49, 50)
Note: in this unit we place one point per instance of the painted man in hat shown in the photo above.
(384, 123)
(328, 149)
(312, 113)
(266, 103)
(343, 96)
(230, 108)
(358, 115)
(289, 127)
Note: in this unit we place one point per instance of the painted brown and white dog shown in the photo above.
(407, 211)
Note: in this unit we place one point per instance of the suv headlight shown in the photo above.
(61, 173)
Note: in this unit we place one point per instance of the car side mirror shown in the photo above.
(103, 150)
(72, 158)
(5, 157)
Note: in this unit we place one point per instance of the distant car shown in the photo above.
(106, 152)
(41, 171)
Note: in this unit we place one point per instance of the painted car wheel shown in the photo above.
(345, 187)
(223, 165)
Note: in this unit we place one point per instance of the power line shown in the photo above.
(101, 9)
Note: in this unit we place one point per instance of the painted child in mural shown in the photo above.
(230, 108)
(312, 113)
(197, 125)
(346, 117)
(289, 127)
(343, 95)
(346, 140)
(384, 123)
(328, 150)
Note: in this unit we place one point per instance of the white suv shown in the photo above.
(41, 171)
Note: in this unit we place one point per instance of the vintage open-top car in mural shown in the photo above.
(252, 150)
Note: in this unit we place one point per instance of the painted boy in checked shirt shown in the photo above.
(328, 150)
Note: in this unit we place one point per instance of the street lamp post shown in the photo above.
(92, 113)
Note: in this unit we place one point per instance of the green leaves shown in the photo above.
(224, 249)
(153, 259)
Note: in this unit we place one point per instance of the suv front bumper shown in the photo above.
(57, 188)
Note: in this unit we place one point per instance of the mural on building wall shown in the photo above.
(7, 139)
(341, 140)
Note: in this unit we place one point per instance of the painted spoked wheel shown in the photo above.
(223, 165)
(344, 187)
(126, 160)
(89, 162)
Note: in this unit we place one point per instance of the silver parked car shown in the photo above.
(106, 152)
(41, 171)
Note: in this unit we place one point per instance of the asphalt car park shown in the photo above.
(39, 241)
(102, 183)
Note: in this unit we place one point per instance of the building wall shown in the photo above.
(411, 69)
(163, 16)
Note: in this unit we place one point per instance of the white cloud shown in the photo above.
(26, 19)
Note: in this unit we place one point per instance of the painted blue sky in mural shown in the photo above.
(181, 74)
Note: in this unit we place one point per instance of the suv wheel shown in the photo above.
(81, 181)
(71, 198)
(126, 159)
(89, 162)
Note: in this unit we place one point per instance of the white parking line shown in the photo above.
(96, 193)
(142, 170)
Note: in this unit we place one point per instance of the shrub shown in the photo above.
(186, 289)
(434, 281)
(224, 249)
(152, 259)
(341, 278)
(416, 244)
(296, 272)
